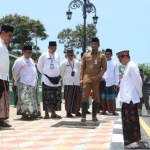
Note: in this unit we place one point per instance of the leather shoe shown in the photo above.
(4, 124)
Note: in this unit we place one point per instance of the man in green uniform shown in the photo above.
(93, 66)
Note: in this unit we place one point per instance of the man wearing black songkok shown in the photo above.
(5, 36)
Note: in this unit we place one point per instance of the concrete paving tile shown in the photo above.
(24, 138)
(107, 144)
(25, 144)
(9, 139)
(95, 145)
(65, 136)
(51, 136)
(55, 142)
(38, 137)
(48, 148)
(85, 140)
(64, 148)
(80, 147)
(9, 145)
(22, 133)
(71, 141)
(44, 143)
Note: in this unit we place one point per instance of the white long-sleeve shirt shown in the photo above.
(66, 69)
(44, 66)
(24, 71)
(4, 58)
(111, 75)
(131, 84)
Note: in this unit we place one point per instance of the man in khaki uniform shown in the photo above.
(93, 66)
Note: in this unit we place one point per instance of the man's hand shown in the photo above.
(81, 83)
(116, 87)
(94, 80)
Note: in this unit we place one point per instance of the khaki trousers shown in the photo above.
(87, 87)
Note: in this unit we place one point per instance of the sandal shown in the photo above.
(56, 116)
(132, 146)
(46, 117)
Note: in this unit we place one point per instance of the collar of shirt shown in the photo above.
(94, 53)
(48, 55)
(2, 40)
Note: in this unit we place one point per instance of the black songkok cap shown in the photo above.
(95, 39)
(52, 43)
(7, 28)
(70, 51)
(27, 48)
(108, 50)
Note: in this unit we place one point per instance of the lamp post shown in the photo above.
(87, 7)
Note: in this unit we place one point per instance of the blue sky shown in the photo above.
(122, 24)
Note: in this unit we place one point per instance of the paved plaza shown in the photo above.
(39, 134)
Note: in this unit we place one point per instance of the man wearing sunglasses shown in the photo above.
(129, 94)
(25, 74)
(70, 71)
(6, 33)
(111, 77)
(93, 66)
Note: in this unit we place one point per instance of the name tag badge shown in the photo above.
(51, 66)
(95, 62)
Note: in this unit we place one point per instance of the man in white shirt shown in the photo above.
(129, 94)
(70, 70)
(6, 33)
(111, 77)
(48, 65)
(25, 74)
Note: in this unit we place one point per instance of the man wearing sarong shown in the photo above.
(93, 66)
(5, 36)
(129, 94)
(48, 65)
(70, 70)
(111, 77)
(25, 74)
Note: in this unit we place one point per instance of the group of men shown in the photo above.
(94, 67)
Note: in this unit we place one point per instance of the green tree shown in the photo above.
(74, 38)
(121, 69)
(26, 31)
(146, 68)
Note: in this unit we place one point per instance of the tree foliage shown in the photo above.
(146, 68)
(121, 69)
(74, 38)
(26, 31)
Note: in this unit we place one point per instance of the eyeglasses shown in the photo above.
(70, 55)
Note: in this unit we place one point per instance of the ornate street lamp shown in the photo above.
(87, 7)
